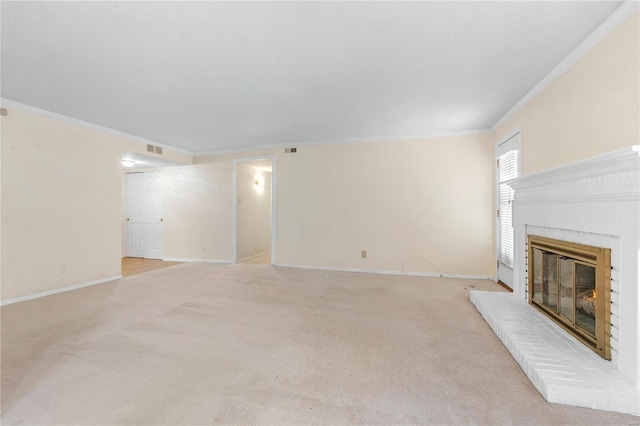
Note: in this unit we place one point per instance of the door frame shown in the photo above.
(513, 133)
(234, 204)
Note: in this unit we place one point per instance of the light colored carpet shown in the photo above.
(254, 344)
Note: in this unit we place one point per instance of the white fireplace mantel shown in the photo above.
(595, 202)
(609, 177)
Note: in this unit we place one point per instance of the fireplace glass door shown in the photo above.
(585, 297)
(571, 285)
(567, 287)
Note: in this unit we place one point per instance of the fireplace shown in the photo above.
(571, 284)
(579, 220)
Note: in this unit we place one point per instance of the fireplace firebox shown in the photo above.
(571, 284)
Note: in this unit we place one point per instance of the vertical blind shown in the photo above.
(508, 169)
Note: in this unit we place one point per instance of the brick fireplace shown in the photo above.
(594, 202)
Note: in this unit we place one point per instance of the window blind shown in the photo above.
(508, 169)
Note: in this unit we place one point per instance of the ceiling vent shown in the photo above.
(290, 150)
(154, 149)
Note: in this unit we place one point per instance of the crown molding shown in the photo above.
(349, 140)
(28, 108)
(613, 21)
(8, 103)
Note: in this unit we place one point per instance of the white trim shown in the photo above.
(347, 140)
(66, 119)
(388, 272)
(512, 134)
(58, 290)
(517, 132)
(255, 256)
(613, 21)
(194, 259)
(274, 235)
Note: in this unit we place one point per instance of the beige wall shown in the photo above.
(61, 203)
(421, 206)
(253, 212)
(591, 109)
(198, 211)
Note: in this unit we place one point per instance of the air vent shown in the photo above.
(4, 112)
(154, 149)
(290, 150)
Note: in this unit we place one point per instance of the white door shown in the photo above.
(152, 202)
(135, 220)
(144, 215)
(508, 165)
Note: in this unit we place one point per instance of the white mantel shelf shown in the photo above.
(625, 160)
(594, 202)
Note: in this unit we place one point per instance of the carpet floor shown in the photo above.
(254, 344)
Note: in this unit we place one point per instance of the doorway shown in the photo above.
(508, 167)
(254, 210)
(137, 265)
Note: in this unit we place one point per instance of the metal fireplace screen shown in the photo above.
(571, 284)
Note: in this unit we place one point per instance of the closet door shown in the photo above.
(135, 221)
(152, 201)
(144, 215)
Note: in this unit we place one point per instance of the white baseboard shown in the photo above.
(254, 256)
(58, 290)
(389, 272)
(193, 259)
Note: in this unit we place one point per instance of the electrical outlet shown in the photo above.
(63, 269)
(204, 247)
(364, 254)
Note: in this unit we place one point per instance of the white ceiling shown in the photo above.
(207, 76)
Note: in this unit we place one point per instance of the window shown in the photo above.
(508, 168)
